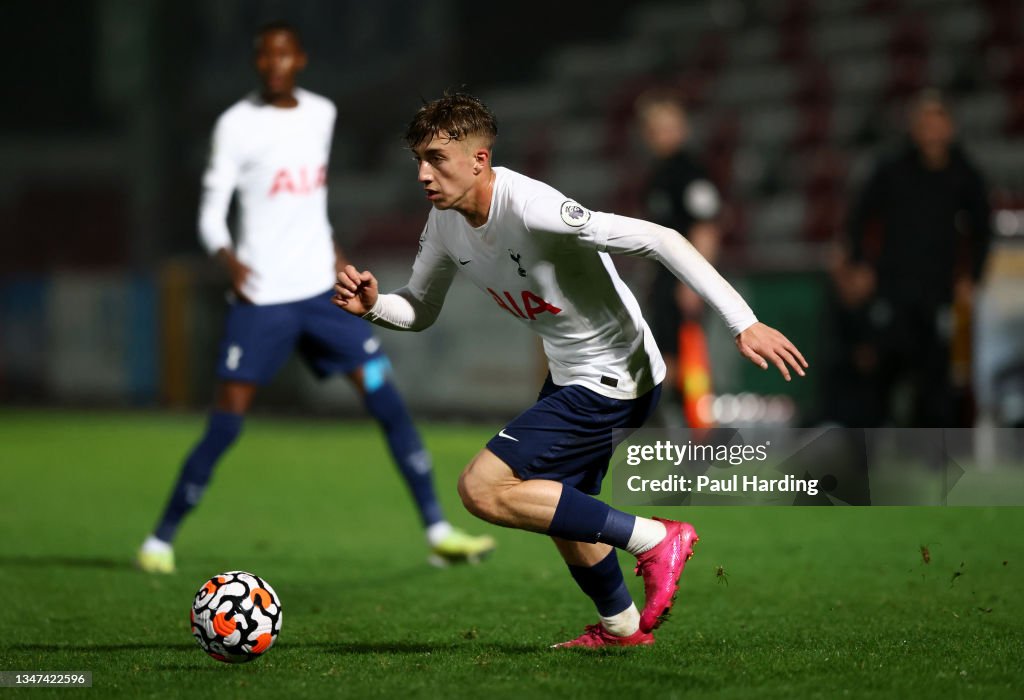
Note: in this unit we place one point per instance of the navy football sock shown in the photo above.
(222, 430)
(582, 518)
(412, 459)
(604, 584)
(618, 528)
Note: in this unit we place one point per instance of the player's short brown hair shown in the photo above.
(659, 97)
(929, 97)
(456, 114)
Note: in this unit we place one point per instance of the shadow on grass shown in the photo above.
(64, 561)
(359, 648)
(391, 579)
(341, 648)
(56, 648)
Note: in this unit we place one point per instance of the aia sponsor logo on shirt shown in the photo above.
(529, 306)
(301, 180)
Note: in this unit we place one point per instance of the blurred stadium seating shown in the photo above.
(789, 101)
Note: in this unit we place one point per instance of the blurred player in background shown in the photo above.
(273, 147)
(543, 259)
(679, 196)
(917, 239)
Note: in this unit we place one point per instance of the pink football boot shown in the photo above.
(661, 566)
(598, 636)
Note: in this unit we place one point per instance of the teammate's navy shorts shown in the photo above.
(259, 338)
(567, 435)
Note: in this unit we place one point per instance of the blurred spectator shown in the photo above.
(917, 238)
(680, 196)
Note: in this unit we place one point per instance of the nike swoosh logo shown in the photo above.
(505, 435)
(465, 262)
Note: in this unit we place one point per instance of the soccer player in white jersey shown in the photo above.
(544, 260)
(272, 147)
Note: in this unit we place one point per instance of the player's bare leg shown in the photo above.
(492, 491)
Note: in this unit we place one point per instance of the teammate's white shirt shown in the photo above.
(277, 160)
(542, 258)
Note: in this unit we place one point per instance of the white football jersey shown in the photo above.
(276, 158)
(543, 259)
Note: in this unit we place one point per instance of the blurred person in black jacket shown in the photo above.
(916, 242)
(679, 195)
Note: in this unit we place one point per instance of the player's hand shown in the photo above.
(763, 344)
(238, 272)
(356, 291)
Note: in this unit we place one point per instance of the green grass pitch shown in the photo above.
(819, 602)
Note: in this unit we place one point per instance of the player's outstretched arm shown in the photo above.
(355, 291)
(757, 342)
(763, 344)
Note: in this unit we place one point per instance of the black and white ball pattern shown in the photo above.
(236, 617)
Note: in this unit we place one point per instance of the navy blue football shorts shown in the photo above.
(259, 339)
(567, 435)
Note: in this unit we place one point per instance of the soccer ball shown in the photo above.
(236, 617)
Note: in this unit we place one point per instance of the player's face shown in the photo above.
(448, 170)
(664, 129)
(932, 127)
(279, 58)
